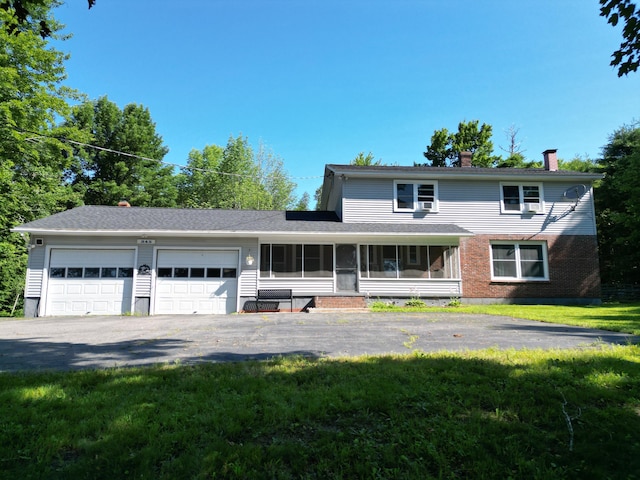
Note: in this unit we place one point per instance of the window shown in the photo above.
(416, 196)
(165, 272)
(74, 272)
(57, 272)
(109, 272)
(521, 198)
(519, 261)
(92, 272)
(296, 260)
(229, 273)
(197, 272)
(213, 273)
(409, 261)
(125, 272)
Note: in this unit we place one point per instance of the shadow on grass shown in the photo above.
(477, 415)
(560, 330)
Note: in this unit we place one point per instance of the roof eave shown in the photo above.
(227, 233)
(464, 173)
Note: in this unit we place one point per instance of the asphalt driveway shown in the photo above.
(66, 343)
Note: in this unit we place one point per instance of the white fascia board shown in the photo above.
(230, 233)
(461, 173)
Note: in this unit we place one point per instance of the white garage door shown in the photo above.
(196, 282)
(89, 282)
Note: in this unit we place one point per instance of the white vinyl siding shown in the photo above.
(407, 288)
(473, 205)
(143, 281)
(300, 286)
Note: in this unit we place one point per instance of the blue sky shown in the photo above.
(317, 81)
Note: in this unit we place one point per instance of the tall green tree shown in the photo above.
(127, 163)
(445, 146)
(197, 182)
(32, 184)
(275, 180)
(618, 207)
(235, 177)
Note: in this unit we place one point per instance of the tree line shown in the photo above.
(59, 149)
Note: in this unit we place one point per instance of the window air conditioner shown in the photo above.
(425, 206)
(532, 207)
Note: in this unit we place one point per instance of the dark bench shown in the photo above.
(268, 299)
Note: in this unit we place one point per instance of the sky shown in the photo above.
(318, 81)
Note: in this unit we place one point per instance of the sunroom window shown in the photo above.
(409, 261)
(296, 260)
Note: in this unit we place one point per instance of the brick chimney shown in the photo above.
(465, 159)
(550, 160)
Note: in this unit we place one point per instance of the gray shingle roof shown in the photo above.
(394, 170)
(136, 220)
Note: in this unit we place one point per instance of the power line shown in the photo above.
(140, 157)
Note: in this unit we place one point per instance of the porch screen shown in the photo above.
(409, 261)
(296, 260)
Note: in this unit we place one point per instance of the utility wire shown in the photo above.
(131, 155)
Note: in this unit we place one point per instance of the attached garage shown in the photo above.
(196, 281)
(89, 281)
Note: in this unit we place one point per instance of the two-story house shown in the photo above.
(383, 232)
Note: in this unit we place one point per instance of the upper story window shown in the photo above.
(416, 197)
(521, 198)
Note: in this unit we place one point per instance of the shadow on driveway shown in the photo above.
(70, 343)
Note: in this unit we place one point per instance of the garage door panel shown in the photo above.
(191, 280)
(86, 281)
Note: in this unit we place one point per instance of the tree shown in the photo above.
(579, 164)
(233, 177)
(26, 15)
(32, 184)
(128, 161)
(275, 180)
(365, 160)
(617, 201)
(303, 203)
(627, 57)
(445, 147)
(197, 181)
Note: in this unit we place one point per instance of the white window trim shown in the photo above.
(521, 210)
(520, 278)
(436, 202)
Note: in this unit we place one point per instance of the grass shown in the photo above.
(614, 316)
(559, 414)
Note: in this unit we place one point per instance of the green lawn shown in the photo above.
(488, 414)
(615, 317)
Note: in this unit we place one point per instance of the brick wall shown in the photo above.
(573, 268)
(339, 302)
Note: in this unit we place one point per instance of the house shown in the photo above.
(383, 232)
